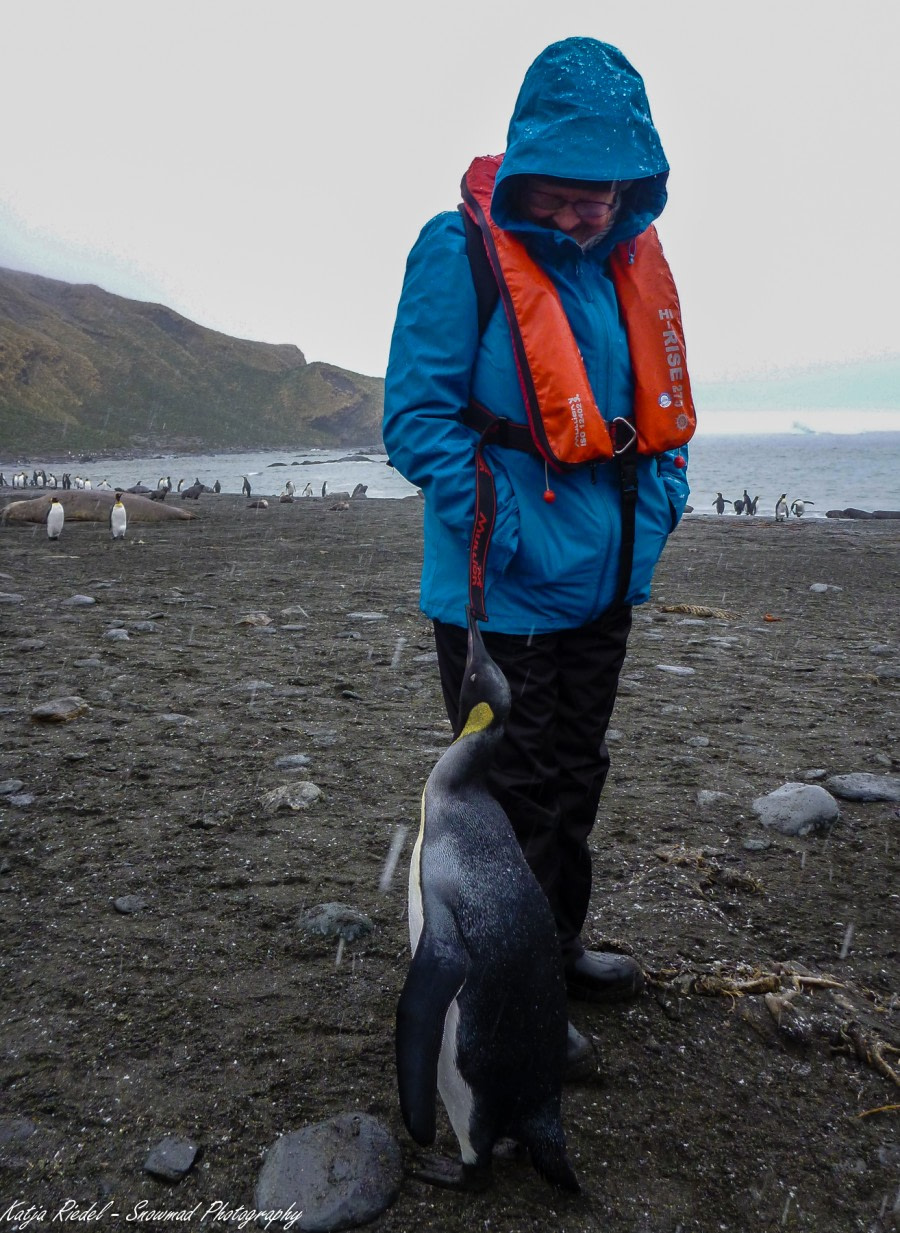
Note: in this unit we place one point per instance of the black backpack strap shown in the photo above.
(486, 290)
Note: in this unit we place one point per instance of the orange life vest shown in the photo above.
(566, 424)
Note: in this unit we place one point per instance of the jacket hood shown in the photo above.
(582, 114)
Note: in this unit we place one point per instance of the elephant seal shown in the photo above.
(95, 505)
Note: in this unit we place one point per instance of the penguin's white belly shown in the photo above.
(454, 1091)
(415, 912)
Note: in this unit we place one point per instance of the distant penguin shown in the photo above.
(245, 487)
(324, 486)
(748, 504)
(720, 503)
(753, 504)
(781, 508)
(118, 518)
(738, 507)
(308, 491)
(56, 517)
(180, 485)
(482, 1015)
(217, 487)
(798, 508)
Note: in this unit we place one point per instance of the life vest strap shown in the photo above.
(500, 430)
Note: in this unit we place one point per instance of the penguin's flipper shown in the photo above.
(435, 977)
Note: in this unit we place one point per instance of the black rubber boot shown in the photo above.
(601, 976)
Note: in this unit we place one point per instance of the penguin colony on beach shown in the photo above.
(745, 506)
(482, 1016)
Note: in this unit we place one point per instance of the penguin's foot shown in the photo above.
(450, 1174)
(601, 976)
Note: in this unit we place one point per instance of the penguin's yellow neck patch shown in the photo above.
(480, 717)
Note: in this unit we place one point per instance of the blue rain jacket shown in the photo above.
(581, 114)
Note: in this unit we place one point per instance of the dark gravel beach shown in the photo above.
(156, 978)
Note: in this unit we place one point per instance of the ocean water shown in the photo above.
(828, 470)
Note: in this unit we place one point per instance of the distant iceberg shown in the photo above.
(798, 427)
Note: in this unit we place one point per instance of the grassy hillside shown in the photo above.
(81, 369)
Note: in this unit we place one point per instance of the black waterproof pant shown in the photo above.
(553, 761)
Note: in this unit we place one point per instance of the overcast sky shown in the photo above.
(264, 166)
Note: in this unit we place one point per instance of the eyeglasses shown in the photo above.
(548, 204)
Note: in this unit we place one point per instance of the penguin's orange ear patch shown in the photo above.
(480, 717)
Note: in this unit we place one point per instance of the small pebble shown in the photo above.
(676, 669)
(78, 601)
(9, 786)
(59, 710)
(291, 796)
(129, 905)
(117, 635)
(171, 1159)
(291, 762)
(337, 920)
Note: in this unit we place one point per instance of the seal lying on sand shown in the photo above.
(94, 506)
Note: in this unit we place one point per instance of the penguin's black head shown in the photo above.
(484, 697)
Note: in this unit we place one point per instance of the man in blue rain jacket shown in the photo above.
(583, 171)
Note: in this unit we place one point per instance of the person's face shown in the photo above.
(584, 213)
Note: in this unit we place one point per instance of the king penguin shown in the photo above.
(56, 516)
(781, 508)
(118, 518)
(482, 1016)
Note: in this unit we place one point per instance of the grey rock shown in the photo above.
(21, 800)
(16, 1130)
(117, 635)
(172, 1158)
(339, 1174)
(11, 597)
(676, 669)
(176, 720)
(367, 616)
(59, 710)
(129, 905)
(10, 786)
(336, 920)
(699, 742)
(291, 762)
(27, 645)
(78, 601)
(145, 627)
(707, 799)
(863, 786)
(756, 845)
(797, 809)
(292, 796)
(814, 775)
